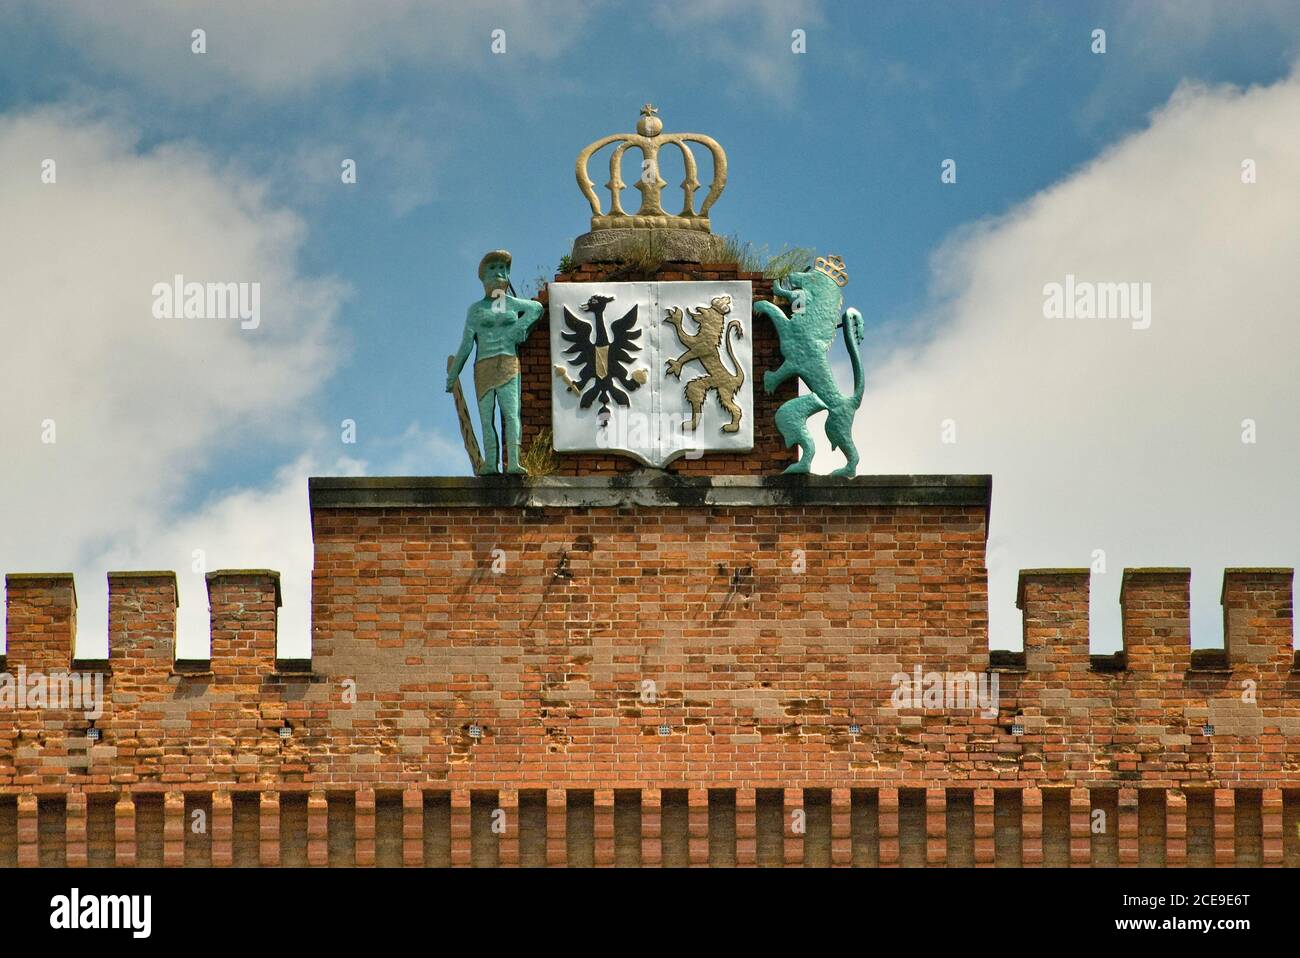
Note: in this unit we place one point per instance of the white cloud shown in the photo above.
(395, 154)
(1100, 436)
(749, 39)
(1178, 38)
(295, 46)
(413, 451)
(1170, 30)
(242, 529)
(140, 405)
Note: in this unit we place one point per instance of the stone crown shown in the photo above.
(649, 138)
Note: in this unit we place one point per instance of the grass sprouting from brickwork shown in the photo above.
(638, 262)
(755, 259)
(539, 458)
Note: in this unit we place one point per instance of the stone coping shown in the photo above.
(646, 488)
(248, 574)
(39, 578)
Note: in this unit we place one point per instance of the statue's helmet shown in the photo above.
(495, 256)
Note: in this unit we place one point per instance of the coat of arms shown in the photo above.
(652, 370)
(601, 354)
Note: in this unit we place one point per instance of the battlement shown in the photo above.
(41, 622)
(1258, 623)
(1258, 614)
(655, 654)
(657, 627)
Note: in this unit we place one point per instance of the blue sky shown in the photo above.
(842, 155)
(460, 150)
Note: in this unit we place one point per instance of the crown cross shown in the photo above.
(649, 138)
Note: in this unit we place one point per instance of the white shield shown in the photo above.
(625, 380)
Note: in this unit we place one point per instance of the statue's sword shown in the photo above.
(466, 424)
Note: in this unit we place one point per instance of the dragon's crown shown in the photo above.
(648, 140)
(832, 266)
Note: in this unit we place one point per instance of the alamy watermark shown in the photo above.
(181, 300)
(72, 691)
(946, 690)
(75, 911)
(1082, 299)
(635, 431)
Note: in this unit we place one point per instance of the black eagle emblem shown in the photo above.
(601, 357)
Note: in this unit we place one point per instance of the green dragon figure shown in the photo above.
(806, 338)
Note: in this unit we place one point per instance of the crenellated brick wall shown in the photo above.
(483, 646)
(625, 666)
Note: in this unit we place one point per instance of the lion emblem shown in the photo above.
(705, 347)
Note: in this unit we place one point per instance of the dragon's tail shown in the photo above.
(852, 338)
(734, 326)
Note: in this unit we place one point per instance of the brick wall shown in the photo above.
(450, 682)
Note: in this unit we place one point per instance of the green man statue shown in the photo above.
(496, 324)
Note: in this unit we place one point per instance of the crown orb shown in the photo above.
(649, 124)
